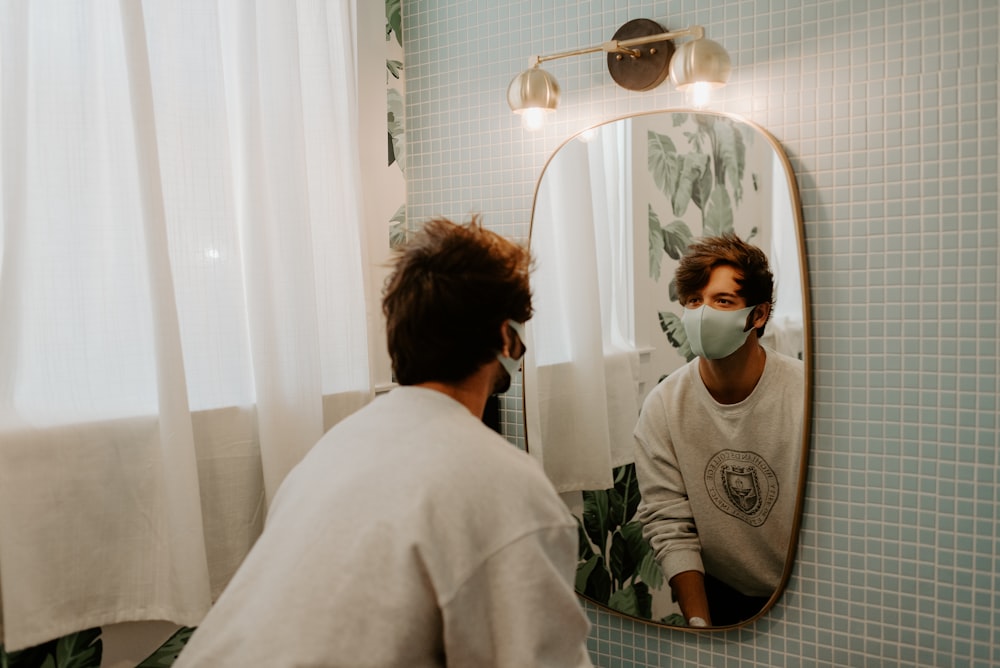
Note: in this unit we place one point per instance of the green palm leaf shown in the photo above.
(397, 227)
(584, 570)
(718, 218)
(634, 600)
(677, 237)
(75, 650)
(394, 20)
(730, 157)
(621, 561)
(598, 583)
(665, 165)
(595, 517)
(168, 652)
(394, 120)
(656, 244)
(627, 491)
(650, 571)
(671, 325)
(691, 182)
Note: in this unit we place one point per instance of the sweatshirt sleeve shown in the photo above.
(505, 615)
(665, 510)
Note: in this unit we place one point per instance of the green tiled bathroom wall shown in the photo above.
(888, 112)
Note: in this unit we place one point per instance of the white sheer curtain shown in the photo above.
(581, 368)
(182, 307)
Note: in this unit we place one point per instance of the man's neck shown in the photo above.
(472, 392)
(732, 379)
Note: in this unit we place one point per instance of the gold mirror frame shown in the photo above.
(806, 342)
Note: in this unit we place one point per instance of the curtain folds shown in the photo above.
(182, 293)
(581, 368)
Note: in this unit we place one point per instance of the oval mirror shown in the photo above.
(615, 209)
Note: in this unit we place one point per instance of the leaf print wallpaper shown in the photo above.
(86, 650)
(702, 162)
(396, 108)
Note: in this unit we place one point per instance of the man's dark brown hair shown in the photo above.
(451, 289)
(755, 279)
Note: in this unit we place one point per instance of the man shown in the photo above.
(718, 442)
(412, 534)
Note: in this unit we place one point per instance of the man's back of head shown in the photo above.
(452, 288)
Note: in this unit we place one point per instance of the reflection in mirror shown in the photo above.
(616, 209)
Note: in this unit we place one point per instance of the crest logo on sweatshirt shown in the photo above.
(742, 484)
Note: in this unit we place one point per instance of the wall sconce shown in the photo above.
(640, 56)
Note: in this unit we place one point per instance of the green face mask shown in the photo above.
(715, 334)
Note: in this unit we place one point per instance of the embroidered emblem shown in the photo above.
(742, 484)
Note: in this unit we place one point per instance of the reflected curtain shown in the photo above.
(784, 331)
(182, 308)
(581, 367)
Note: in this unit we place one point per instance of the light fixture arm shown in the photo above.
(623, 46)
(640, 55)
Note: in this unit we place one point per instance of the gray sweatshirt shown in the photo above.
(719, 481)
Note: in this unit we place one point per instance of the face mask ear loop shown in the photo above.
(519, 331)
(753, 316)
(509, 363)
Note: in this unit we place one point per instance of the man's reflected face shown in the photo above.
(721, 292)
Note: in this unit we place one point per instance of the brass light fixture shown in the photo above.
(641, 54)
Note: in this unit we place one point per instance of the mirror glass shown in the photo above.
(615, 208)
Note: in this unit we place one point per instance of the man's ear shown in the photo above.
(759, 316)
(507, 339)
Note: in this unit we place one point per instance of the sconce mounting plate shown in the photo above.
(647, 70)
